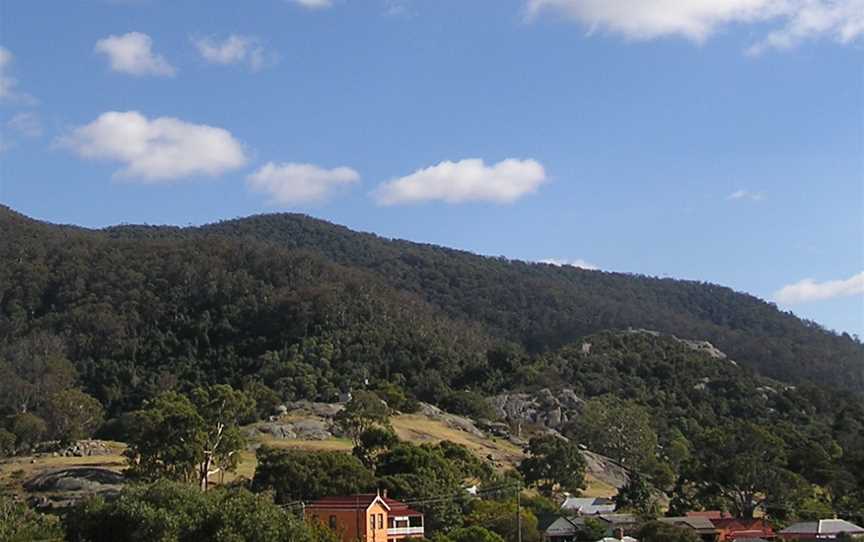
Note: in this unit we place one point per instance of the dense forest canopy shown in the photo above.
(286, 307)
(544, 306)
(137, 304)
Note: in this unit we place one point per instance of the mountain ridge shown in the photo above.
(538, 306)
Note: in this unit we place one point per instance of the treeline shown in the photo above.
(543, 307)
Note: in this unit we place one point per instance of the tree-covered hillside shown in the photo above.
(287, 308)
(543, 307)
(141, 316)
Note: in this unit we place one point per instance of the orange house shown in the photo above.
(730, 528)
(368, 517)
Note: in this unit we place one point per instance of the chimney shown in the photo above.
(385, 493)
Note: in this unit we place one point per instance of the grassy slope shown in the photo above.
(410, 427)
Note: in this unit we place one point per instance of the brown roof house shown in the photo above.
(367, 517)
(703, 526)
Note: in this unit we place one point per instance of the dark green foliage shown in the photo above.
(396, 398)
(618, 428)
(165, 439)
(468, 403)
(657, 531)
(364, 411)
(179, 438)
(636, 497)
(500, 518)
(594, 529)
(296, 475)
(474, 533)
(310, 310)
(266, 400)
(743, 465)
(419, 473)
(167, 512)
(544, 306)
(18, 523)
(7, 443)
(33, 369)
(553, 465)
(72, 415)
(221, 409)
(546, 510)
(28, 429)
(372, 443)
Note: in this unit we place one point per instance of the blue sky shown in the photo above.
(716, 140)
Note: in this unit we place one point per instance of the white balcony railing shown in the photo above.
(405, 531)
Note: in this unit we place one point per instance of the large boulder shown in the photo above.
(543, 408)
(306, 429)
(65, 487)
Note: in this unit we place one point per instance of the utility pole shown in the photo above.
(518, 512)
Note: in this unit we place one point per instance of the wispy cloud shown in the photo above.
(132, 53)
(314, 4)
(293, 183)
(578, 262)
(810, 290)
(794, 21)
(746, 195)
(9, 91)
(26, 123)
(235, 49)
(156, 150)
(465, 181)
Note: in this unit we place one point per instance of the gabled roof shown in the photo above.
(823, 526)
(697, 523)
(743, 528)
(618, 519)
(361, 501)
(562, 527)
(588, 505)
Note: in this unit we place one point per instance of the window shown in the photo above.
(415, 521)
(333, 522)
(380, 521)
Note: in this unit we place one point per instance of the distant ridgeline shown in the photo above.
(321, 309)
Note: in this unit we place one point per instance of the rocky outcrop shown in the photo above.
(321, 410)
(81, 448)
(307, 429)
(605, 469)
(452, 420)
(61, 488)
(543, 408)
(700, 346)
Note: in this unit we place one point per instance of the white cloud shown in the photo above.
(463, 181)
(9, 85)
(578, 262)
(132, 53)
(697, 20)
(396, 7)
(810, 290)
(292, 183)
(27, 124)
(314, 4)
(157, 150)
(746, 195)
(235, 49)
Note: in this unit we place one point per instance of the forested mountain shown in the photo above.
(286, 307)
(542, 306)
